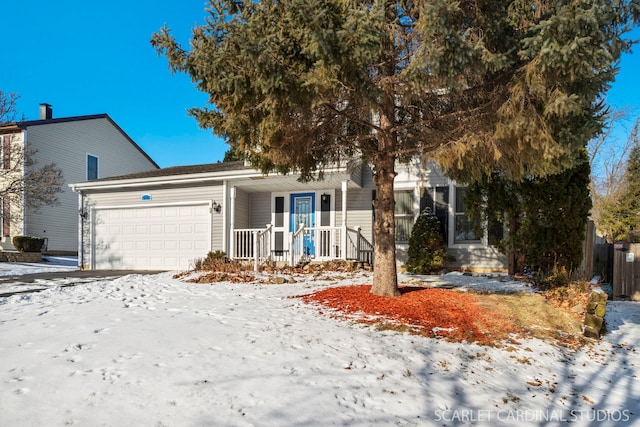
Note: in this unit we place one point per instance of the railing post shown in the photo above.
(291, 249)
(256, 251)
(343, 243)
(358, 243)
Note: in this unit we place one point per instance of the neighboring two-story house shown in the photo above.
(85, 148)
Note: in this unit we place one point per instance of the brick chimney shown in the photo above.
(46, 112)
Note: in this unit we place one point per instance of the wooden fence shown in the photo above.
(603, 262)
(626, 271)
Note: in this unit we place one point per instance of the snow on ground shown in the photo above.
(50, 264)
(155, 351)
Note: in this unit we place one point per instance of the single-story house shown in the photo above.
(165, 219)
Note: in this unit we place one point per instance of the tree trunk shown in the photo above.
(385, 278)
(511, 252)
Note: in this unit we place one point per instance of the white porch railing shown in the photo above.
(358, 248)
(305, 244)
(252, 244)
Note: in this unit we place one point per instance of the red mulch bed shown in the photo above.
(449, 314)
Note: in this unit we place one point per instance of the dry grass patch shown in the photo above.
(534, 315)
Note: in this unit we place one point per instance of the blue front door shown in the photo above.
(303, 210)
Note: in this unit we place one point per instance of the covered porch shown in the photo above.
(278, 219)
(304, 245)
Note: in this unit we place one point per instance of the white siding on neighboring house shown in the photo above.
(10, 215)
(67, 144)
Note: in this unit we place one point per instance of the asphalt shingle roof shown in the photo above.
(182, 170)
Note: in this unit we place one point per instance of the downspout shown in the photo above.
(225, 207)
(343, 237)
(232, 214)
(81, 214)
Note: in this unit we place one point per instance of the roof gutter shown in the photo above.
(178, 179)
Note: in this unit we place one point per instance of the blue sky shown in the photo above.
(87, 57)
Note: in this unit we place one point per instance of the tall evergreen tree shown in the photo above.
(545, 216)
(302, 84)
(233, 155)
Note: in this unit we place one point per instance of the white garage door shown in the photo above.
(151, 238)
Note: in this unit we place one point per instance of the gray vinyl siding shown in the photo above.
(359, 204)
(67, 145)
(260, 210)
(242, 210)
(486, 258)
(359, 212)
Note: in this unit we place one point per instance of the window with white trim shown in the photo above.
(404, 214)
(463, 225)
(92, 167)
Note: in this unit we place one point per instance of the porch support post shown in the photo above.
(232, 216)
(82, 214)
(225, 229)
(343, 235)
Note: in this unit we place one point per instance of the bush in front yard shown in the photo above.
(427, 247)
(218, 261)
(28, 243)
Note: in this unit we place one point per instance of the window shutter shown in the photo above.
(6, 218)
(442, 210)
(279, 213)
(325, 210)
(6, 151)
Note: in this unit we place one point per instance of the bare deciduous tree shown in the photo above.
(8, 110)
(608, 157)
(22, 182)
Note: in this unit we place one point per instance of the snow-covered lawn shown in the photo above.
(155, 351)
(50, 264)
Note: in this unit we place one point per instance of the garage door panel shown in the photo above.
(186, 245)
(201, 246)
(201, 228)
(157, 238)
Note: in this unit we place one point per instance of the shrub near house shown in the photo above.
(28, 250)
(28, 243)
(427, 247)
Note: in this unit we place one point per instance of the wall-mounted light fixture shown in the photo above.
(324, 197)
(217, 207)
(83, 214)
